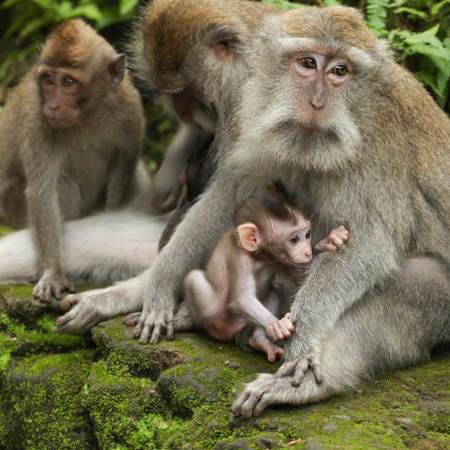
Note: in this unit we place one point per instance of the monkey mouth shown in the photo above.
(309, 126)
(61, 122)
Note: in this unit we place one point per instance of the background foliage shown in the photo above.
(419, 32)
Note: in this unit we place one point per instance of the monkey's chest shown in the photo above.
(86, 172)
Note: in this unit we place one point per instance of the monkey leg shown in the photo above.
(395, 326)
(208, 305)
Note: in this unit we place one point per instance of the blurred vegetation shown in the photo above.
(419, 32)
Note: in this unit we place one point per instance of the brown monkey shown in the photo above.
(273, 233)
(194, 55)
(71, 136)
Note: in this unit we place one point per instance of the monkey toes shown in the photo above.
(52, 286)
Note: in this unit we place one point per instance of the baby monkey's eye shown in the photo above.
(308, 63)
(294, 239)
(308, 234)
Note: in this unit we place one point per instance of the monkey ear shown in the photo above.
(224, 40)
(250, 236)
(116, 70)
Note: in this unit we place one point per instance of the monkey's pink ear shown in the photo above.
(116, 70)
(224, 40)
(250, 236)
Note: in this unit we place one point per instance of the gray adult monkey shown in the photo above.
(329, 111)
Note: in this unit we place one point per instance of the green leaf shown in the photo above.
(419, 37)
(377, 13)
(435, 9)
(127, 6)
(414, 12)
(331, 2)
(90, 11)
(430, 51)
(34, 25)
(9, 3)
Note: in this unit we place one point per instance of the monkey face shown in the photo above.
(64, 95)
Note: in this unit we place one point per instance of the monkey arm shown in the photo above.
(188, 249)
(336, 281)
(166, 185)
(46, 222)
(120, 176)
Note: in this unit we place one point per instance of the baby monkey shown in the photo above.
(273, 233)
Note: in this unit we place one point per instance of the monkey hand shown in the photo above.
(158, 309)
(333, 241)
(50, 285)
(301, 354)
(281, 329)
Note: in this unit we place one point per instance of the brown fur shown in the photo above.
(193, 54)
(50, 173)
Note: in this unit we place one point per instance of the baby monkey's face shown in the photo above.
(289, 243)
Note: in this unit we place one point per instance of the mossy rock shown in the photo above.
(42, 403)
(57, 392)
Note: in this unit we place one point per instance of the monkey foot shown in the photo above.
(83, 315)
(132, 319)
(51, 285)
(259, 342)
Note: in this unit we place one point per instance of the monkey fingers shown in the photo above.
(52, 285)
(150, 327)
(281, 329)
(268, 390)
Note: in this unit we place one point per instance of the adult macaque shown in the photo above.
(194, 54)
(273, 233)
(330, 112)
(71, 136)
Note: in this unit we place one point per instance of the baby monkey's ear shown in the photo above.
(250, 236)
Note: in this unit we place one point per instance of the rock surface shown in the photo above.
(105, 391)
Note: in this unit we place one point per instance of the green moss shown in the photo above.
(125, 411)
(17, 290)
(42, 403)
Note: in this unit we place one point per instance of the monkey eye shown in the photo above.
(308, 63)
(47, 78)
(308, 234)
(339, 70)
(294, 239)
(68, 81)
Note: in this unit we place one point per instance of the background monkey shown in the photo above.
(273, 233)
(192, 54)
(71, 136)
(327, 110)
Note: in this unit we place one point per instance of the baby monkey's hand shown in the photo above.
(281, 329)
